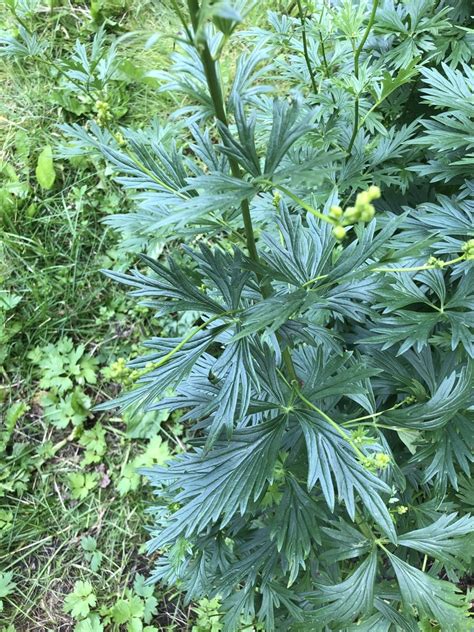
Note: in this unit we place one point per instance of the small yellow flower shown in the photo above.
(381, 460)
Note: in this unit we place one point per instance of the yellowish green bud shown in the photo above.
(374, 193)
(468, 249)
(368, 463)
(368, 213)
(339, 232)
(437, 263)
(362, 198)
(120, 139)
(351, 214)
(335, 212)
(402, 509)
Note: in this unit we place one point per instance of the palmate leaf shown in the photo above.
(388, 618)
(351, 300)
(23, 45)
(218, 192)
(329, 458)
(329, 375)
(252, 572)
(410, 328)
(248, 84)
(148, 166)
(372, 242)
(304, 252)
(448, 135)
(342, 603)
(276, 598)
(451, 89)
(171, 284)
(219, 484)
(295, 527)
(188, 78)
(343, 542)
(448, 217)
(298, 253)
(224, 272)
(270, 313)
(403, 320)
(432, 597)
(168, 372)
(203, 392)
(233, 372)
(255, 557)
(452, 395)
(446, 450)
(444, 539)
(286, 130)
(243, 151)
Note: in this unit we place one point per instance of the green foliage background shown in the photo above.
(325, 355)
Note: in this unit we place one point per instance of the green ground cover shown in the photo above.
(72, 507)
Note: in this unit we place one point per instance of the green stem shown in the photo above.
(212, 77)
(188, 337)
(383, 547)
(305, 47)
(323, 51)
(356, 73)
(373, 415)
(182, 19)
(330, 421)
(425, 561)
(214, 85)
(325, 64)
(318, 278)
(295, 386)
(302, 203)
(427, 266)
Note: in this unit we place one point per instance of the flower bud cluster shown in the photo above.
(378, 461)
(119, 137)
(362, 211)
(276, 199)
(436, 263)
(468, 249)
(103, 112)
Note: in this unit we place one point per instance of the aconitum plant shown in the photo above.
(320, 186)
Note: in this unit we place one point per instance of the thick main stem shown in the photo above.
(215, 90)
(356, 72)
(305, 47)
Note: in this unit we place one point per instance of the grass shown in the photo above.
(67, 473)
(53, 244)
